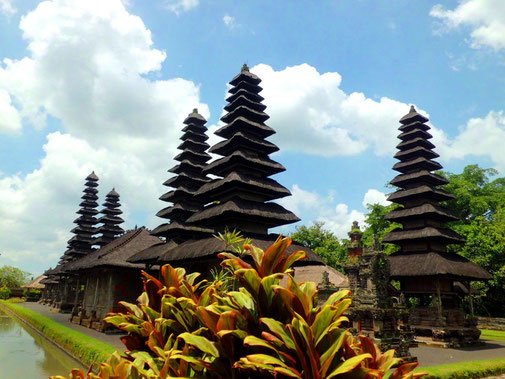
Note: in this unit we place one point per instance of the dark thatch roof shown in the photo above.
(245, 75)
(242, 123)
(407, 144)
(429, 232)
(414, 133)
(415, 152)
(424, 191)
(117, 252)
(270, 214)
(420, 163)
(243, 92)
(227, 146)
(425, 210)
(435, 264)
(413, 116)
(247, 159)
(152, 253)
(422, 176)
(210, 247)
(244, 100)
(266, 188)
(413, 125)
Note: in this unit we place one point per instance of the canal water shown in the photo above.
(26, 354)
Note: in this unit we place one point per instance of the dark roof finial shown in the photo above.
(195, 110)
(245, 67)
(412, 109)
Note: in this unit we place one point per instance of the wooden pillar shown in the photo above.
(439, 303)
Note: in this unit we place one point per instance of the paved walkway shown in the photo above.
(427, 355)
(434, 356)
(63, 318)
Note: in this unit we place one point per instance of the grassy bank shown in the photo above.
(84, 348)
(470, 369)
(493, 334)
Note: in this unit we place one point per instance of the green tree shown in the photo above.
(12, 277)
(476, 195)
(480, 204)
(322, 242)
(378, 225)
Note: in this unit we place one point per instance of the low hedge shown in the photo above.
(82, 347)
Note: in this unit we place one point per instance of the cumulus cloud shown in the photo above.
(10, 122)
(311, 207)
(373, 196)
(7, 7)
(180, 6)
(229, 21)
(480, 137)
(86, 67)
(313, 115)
(485, 18)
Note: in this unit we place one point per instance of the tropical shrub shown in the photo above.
(5, 293)
(30, 293)
(265, 329)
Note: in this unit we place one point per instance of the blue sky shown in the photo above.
(105, 85)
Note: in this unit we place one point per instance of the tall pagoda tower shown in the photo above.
(82, 242)
(424, 267)
(188, 179)
(241, 197)
(111, 220)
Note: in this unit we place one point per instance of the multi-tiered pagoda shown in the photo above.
(111, 220)
(427, 272)
(188, 179)
(240, 199)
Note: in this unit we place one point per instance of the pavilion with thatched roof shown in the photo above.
(426, 270)
(106, 277)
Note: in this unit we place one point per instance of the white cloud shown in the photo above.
(180, 6)
(373, 196)
(85, 67)
(10, 120)
(7, 7)
(485, 18)
(301, 201)
(229, 21)
(480, 137)
(312, 207)
(312, 115)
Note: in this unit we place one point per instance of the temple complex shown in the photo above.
(110, 220)
(429, 275)
(373, 313)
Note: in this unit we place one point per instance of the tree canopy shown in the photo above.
(12, 277)
(323, 242)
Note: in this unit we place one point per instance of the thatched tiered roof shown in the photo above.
(424, 237)
(189, 178)
(241, 197)
(110, 220)
(117, 252)
(82, 241)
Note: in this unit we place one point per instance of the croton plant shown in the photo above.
(183, 327)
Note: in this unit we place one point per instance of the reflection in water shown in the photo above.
(25, 354)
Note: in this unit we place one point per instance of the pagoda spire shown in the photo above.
(188, 179)
(425, 269)
(110, 220)
(82, 241)
(242, 195)
(422, 216)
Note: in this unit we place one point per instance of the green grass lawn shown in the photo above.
(493, 334)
